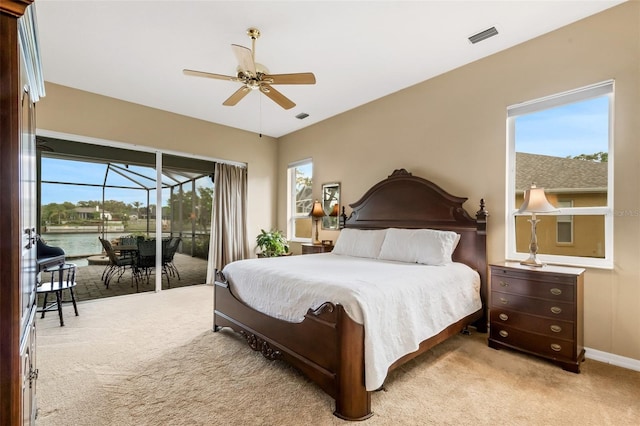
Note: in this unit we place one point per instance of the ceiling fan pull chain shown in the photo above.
(260, 118)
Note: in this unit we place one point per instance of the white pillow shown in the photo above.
(360, 242)
(426, 246)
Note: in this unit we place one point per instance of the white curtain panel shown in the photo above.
(228, 218)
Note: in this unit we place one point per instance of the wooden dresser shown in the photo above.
(316, 248)
(538, 311)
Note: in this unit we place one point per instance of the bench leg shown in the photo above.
(59, 302)
(73, 300)
(44, 305)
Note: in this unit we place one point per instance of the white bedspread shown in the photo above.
(400, 304)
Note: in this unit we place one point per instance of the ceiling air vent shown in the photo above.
(483, 35)
(302, 116)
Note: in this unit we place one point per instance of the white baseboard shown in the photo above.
(609, 358)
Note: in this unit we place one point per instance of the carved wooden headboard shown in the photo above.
(406, 201)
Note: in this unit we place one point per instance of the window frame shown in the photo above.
(605, 88)
(292, 214)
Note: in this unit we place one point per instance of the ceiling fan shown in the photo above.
(255, 76)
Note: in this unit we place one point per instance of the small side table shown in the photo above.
(63, 277)
(308, 248)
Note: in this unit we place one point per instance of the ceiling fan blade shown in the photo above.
(237, 96)
(245, 59)
(209, 75)
(297, 78)
(277, 97)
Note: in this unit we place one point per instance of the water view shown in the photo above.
(77, 246)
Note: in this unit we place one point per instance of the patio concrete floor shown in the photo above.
(90, 285)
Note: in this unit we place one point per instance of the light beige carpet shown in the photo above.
(151, 359)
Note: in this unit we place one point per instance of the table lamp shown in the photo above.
(316, 213)
(335, 212)
(534, 202)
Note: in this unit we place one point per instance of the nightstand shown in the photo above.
(308, 248)
(538, 311)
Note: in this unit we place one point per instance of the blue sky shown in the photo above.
(78, 171)
(61, 193)
(94, 173)
(569, 130)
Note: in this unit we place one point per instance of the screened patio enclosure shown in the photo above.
(112, 192)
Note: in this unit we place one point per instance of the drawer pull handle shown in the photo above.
(504, 284)
(556, 291)
(556, 347)
(556, 328)
(503, 333)
(503, 301)
(504, 317)
(556, 310)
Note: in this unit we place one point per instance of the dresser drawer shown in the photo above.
(542, 289)
(542, 274)
(547, 326)
(546, 308)
(542, 345)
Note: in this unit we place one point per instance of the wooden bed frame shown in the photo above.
(328, 347)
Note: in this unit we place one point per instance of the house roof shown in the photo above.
(557, 174)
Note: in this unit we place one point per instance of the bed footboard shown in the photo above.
(327, 347)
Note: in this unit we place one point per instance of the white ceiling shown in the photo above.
(359, 51)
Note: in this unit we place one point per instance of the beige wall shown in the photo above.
(451, 129)
(85, 114)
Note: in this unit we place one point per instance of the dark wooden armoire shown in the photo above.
(21, 85)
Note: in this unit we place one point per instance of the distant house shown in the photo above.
(567, 182)
(89, 213)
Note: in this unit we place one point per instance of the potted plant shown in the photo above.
(272, 243)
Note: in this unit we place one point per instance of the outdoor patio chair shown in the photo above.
(147, 259)
(118, 265)
(62, 277)
(126, 242)
(168, 252)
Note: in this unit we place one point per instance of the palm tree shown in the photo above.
(137, 205)
(63, 213)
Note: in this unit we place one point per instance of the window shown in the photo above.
(300, 186)
(564, 224)
(563, 143)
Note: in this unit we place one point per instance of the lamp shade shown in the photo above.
(335, 211)
(536, 202)
(317, 211)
